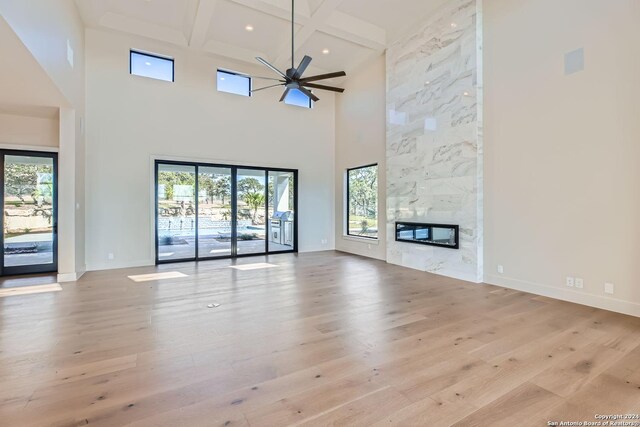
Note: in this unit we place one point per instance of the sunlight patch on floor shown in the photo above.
(157, 276)
(27, 290)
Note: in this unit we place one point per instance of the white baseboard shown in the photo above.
(69, 277)
(113, 265)
(570, 295)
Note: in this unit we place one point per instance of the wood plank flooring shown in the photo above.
(320, 339)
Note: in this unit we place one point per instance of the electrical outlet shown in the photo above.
(501, 269)
(571, 281)
(324, 241)
(111, 256)
(579, 283)
(608, 288)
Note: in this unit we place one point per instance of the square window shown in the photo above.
(235, 83)
(299, 99)
(151, 66)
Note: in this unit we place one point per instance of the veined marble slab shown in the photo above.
(434, 138)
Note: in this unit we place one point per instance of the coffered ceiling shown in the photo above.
(351, 31)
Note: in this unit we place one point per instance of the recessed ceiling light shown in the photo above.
(454, 25)
(147, 63)
(466, 94)
(326, 51)
(428, 82)
(249, 28)
(222, 78)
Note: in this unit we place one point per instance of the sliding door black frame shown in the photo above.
(35, 268)
(295, 208)
(234, 210)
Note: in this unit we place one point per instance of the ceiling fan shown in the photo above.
(292, 79)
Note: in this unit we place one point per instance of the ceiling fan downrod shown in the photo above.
(292, 79)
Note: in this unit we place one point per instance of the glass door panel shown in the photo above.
(176, 212)
(29, 221)
(214, 212)
(251, 211)
(281, 212)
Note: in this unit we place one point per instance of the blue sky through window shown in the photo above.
(151, 66)
(297, 98)
(234, 83)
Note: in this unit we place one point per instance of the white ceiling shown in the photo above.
(354, 31)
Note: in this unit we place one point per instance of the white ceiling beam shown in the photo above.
(326, 19)
(279, 8)
(230, 51)
(138, 27)
(356, 30)
(201, 24)
(323, 13)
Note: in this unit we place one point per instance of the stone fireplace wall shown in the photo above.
(434, 138)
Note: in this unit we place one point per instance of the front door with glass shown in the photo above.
(29, 220)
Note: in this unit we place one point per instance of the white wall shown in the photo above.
(562, 151)
(131, 120)
(360, 141)
(46, 27)
(20, 132)
(54, 34)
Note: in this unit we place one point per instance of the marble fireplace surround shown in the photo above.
(434, 138)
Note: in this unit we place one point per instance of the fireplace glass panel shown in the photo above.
(428, 234)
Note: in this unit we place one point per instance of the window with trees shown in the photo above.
(362, 202)
(206, 211)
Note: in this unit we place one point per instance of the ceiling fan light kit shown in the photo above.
(292, 79)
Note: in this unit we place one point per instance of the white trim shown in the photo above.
(70, 277)
(152, 205)
(23, 147)
(368, 240)
(151, 54)
(570, 295)
(114, 265)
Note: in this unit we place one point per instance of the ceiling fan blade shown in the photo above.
(267, 78)
(264, 62)
(323, 77)
(266, 87)
(284, 95)
(309, 94)
(302, 67)
(323, 87)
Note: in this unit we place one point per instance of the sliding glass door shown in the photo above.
(251, 214)
(206, 211)
(29, 220)
(281, 211)
(176, 212)
(214, 211)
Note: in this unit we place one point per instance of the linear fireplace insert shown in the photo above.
(442, 235)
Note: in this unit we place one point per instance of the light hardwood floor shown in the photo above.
(320, 339)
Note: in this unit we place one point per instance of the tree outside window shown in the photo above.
(362, 197)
